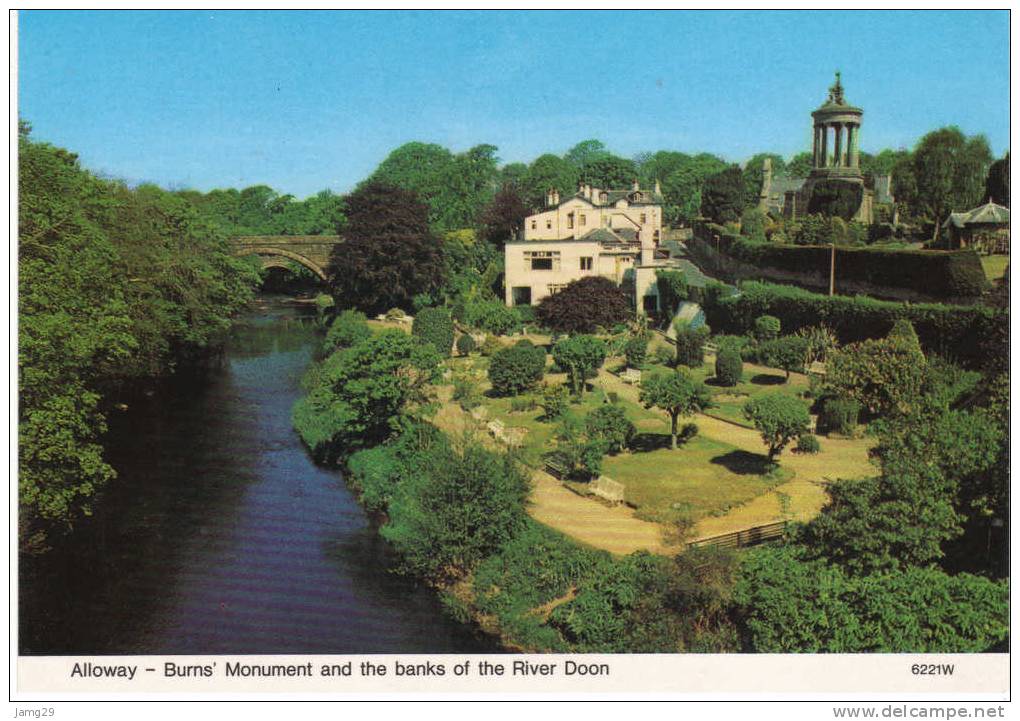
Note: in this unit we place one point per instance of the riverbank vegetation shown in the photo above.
(115, 286)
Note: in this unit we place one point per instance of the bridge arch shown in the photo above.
(276, 258)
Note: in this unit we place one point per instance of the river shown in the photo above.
(221, 536)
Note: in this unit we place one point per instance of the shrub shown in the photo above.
(609, 424)
(348, 329)
(490, 346)
(882, 375)
(585, 305)
(579, 356)
(636, 351)
(613, 396)
(779, 418)
(687, 432)
(663, 356)
(554, 401)
(690, 343)
(766, 328)
(435, 326)
(903, 333)
(521, 404)
(517, 368)
(839, 415)
(581, 453)
(807, 443)
(465, 344)
(729, 366)
(492, 317)
(466, 391)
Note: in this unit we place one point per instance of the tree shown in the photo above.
(457, 507)
(950, 171)
(389, 255)
(504, 217)
(722, 197)
(636, 350)
(682, 188)
(585, 305)
(359, 393)
(435, 326)
(549, 172)
(347, 329)
(609, 424)
(729, 366)
(585, 153)
(517, 368)
(800, 165)
(788, 353)
(779, 418)
(609, 171)
(579, 356)
(997, 183)
(677, 394)
(883, 375)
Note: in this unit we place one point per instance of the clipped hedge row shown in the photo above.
(974, 335)
(939, 274)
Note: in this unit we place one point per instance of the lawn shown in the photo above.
(994, 265)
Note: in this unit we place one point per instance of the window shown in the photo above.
(587, 262)
(541, 263)
(534, 225)
(556, 288)
(570, 220)
(548, 224)
(583, 221)
(655, 237)
(644, 219)
(542, 259)
(521, 295)
(650, 303)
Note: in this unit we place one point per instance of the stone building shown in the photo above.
(612, 233)
(985, 228)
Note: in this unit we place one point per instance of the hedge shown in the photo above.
(938, 274)
(975, 335)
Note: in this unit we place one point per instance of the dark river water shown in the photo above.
(221, 536)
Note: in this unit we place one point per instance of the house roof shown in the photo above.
(634, 197)
(988, 214)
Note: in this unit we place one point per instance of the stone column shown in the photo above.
(855, 152)
(824, 159)
(814, 147)
(838, 154)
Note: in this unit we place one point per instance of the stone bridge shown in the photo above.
(311, 251)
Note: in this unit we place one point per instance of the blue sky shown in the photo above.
(309, 100)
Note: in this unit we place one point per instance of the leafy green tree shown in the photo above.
(549, 172)
(609, 423)
(347, 329)
(676, 393)
(883, 375)
(690, 344)
(503, 218)
(609, 171)
(389, 255)
(584, 305)
(460, 506)
(722, 195)
(997, 183)
(517, 368)
(636, 350)
(788, 353)
(779, 418)
(950, 171)
(800, 165)
(435, 326)
(586, 152)
(682, 188)
(554, 401)
(360, 393)
(579, 356)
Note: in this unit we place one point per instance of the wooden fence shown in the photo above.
(747, 537)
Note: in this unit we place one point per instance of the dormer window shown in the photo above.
(570, 220)
(644, 219)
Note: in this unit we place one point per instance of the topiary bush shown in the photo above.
(517, 368)
(839, 415)
(766, 328)
(609, 424)
(554, 401)
(465, 344)
(492, 317)
(435, 326)
(690, 343)
(729, 366)
(788, 353)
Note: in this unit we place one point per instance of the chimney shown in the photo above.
(548, 198)
(636, 186)
(555, 197)
(587, 191)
